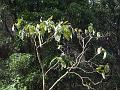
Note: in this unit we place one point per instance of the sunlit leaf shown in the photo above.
(103, 69)
(43, 28)
(100, 69)
(13, 28)
(105, 54)
(86, 31)
(93, 32)
(99, 50)
(67, 33)
(103, 75)
(57, 37)
(31, 29)
(58, 32)
(38, 26)
(50, 18)
(98, 34)
(59, 46)
(18, 24)
(63, 64)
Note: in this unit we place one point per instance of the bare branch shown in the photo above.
(51, 68)
(86, 85)
(58, 80)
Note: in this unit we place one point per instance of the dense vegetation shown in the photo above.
(59, 45)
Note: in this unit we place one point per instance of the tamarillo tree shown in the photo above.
(45, 31)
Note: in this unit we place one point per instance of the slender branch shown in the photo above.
(84, 50)
(40, 61)
(74, 65)
(45, 41)
(86, 85)
(40, 41)
(92, 57)
(48, 40)
(83, 70)
(87, 42)
(88, 79)
(58, 80)
(38, 54)
(51, 68)
(81, 56)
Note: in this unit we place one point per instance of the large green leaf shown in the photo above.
(67, 33)
(42, 28)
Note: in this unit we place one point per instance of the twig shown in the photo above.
(86, 85)
(51, 68)
(58, 80)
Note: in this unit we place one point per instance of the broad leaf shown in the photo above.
(67, 33)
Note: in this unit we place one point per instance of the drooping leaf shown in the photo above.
(67, 33)
(58, 32)
(103, 75)
(57, 37)
(99, 50)
(98, 35)
(105, 54)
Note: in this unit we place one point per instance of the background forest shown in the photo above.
(59, 44)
